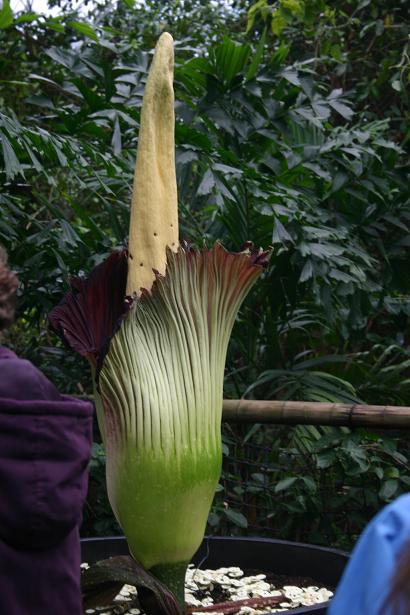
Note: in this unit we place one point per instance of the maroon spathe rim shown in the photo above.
(92, 311)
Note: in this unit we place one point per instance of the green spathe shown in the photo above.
(162, 503)
(162, 386)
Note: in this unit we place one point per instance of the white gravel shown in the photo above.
(236, 586)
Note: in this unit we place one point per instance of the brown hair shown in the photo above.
(398, 598)
(8, 289)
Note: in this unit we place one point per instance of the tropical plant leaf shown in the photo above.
(84, 28)
(6, 15)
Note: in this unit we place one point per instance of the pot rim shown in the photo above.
(262, 539)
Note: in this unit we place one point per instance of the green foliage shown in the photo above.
(310, 484)
(292, 134)
(98, 518)
(360, 45)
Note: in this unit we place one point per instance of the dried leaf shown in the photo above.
(103, 580)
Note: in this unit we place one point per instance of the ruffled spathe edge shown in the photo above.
(92, 311)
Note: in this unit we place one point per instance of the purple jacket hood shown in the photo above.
(45, 443)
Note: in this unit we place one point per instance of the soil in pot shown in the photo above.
(263, 590)
(231, 591)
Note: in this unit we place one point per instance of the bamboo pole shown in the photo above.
(315, 413)
(311, 413)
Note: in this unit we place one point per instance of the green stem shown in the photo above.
(173, 576)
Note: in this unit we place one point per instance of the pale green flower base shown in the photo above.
(162, 502)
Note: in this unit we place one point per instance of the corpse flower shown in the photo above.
(154, 322)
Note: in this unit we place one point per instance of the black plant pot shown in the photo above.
(278, 556)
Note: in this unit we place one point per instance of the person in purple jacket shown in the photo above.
(45, 444)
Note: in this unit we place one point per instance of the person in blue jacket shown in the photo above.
(376, 580)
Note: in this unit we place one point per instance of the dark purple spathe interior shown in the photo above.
(92, 310)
